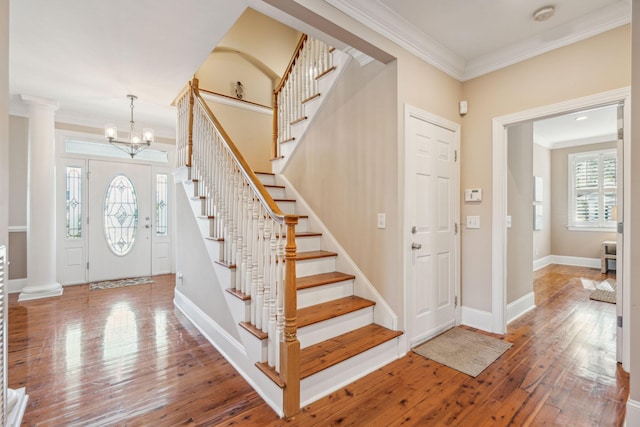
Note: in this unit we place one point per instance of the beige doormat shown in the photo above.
(463, 350)
(110, 284)
(605, 291)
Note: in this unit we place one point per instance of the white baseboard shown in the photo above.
(632, 418)
(542, 262)
(15, 286)
(232, 351)
(520, 306)
(475, 318)
(575, 261)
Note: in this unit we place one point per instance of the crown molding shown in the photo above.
(386, 22)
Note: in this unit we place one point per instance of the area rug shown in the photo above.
(110, 284)
(605, 291)
(463, 350)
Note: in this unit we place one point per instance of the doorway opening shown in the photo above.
(501, 126)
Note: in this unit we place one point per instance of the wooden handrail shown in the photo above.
(272, 208)
(292, 62)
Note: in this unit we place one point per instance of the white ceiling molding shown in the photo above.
(380, 18)
(386, 22)
(582, 28)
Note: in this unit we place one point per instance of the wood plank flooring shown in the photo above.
(127, 357)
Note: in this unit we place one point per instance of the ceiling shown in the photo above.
(467, 38)
(88, 55)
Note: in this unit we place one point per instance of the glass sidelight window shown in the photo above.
(74, 202)
(162, 204)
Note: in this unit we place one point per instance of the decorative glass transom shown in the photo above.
(120, 215)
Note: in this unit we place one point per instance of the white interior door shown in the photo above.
(119, 220)
(432, 219)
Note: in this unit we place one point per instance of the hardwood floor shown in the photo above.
(127, 357)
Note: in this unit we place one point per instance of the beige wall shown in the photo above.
(347, 171)
(634, 200)
(255, 51)
(563, 241)
(18, 150)
(256, 34)
(542, 168)
(591, 66)
(250, 132)
(18, 255)
(4, 122)
(520, 201)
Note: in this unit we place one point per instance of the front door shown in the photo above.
(431, 213)
(119, 220)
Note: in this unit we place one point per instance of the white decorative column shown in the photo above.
(41, 202)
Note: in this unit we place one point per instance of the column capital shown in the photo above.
(35, 101)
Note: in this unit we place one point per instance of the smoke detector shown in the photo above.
(544, 13)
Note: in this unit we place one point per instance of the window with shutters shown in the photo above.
(592, 190)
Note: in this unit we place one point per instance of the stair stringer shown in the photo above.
(326, 84)
(362, 287)
(240, 352)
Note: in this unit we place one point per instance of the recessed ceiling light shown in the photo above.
(544, 13)
(580, 118)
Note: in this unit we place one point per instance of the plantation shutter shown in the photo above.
(593, 189)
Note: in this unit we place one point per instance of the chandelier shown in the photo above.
(136, 141)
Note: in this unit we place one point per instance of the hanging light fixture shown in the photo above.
(136, 141)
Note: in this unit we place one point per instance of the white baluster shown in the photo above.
(280, 283)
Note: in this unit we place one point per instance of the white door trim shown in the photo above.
(410, 111)
(499, 207)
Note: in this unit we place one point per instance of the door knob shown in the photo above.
(416, 246)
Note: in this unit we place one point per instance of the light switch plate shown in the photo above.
(382, 220)
(473, 221)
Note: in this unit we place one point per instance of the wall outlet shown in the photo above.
(382, 220)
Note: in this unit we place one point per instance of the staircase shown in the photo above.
(258, 272)
(339, 338)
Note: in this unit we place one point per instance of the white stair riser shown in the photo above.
(324, 293)
(227, 276)
(313, 334)
(256, 349)
(308, 243)
(334, 378)
(315, 266)
(266, 179)
(287, 207)
(276, 192)
(240, 309)
(303, 224)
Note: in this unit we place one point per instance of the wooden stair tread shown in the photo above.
(254, 331)
(273, 186)
(285, 200)
(238, 294)
(271, 373)
(264, 173)
(325, 354)
(303, 256)
(330, 309)
(226, 264)
(322, 279)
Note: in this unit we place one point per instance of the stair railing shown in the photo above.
(259, 240)
(299, 84)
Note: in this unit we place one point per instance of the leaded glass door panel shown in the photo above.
(119, 220)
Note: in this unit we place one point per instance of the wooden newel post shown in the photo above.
(290, 347)
(193, 87)
(274, 145)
